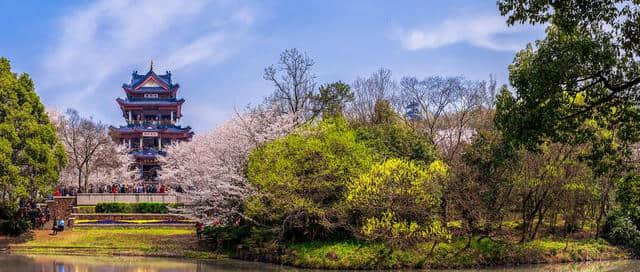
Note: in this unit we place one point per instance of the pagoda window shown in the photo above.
(149, 142)
(134, 144)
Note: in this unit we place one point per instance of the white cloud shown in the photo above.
(106, 38)
(489, 32)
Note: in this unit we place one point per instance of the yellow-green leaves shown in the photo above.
(578, 100)
(401, 233)
(398, 200)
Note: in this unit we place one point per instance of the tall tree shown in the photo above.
(293, 80)
(332, 98)
(587, 67)
(89, 147)
(369, 91)
(30, 154)
(211, 167)
(449, 109)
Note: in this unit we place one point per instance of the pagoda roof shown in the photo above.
(150, 80)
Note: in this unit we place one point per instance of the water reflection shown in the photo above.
(19, 263)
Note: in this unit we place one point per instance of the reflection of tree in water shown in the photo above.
(42, 263)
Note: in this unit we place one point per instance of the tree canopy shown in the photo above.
(31, 155)
(584, 72)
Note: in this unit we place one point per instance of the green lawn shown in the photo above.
(155, 241)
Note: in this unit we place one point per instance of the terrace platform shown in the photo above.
(86, 199)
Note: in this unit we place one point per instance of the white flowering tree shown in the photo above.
(210, 169)
(93, 158)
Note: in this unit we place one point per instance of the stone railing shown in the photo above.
(93, 199)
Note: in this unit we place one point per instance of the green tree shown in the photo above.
(397, 202)
(331, 99)
(481, 184)
(586, 68)
(31, 155)
(628, 195)
(300, 180)
(392, 138)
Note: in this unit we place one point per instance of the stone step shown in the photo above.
(185, 225)
(128, 216)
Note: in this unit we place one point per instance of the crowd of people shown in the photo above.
(115, 188)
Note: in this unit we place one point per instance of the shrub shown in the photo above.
(619, 229)
(143, 207)
(300, 180)
(225, 237)
(397, 203)
(15, 227)
(396, 140)
(11, 222)
(113, 207)
(150, 207)
(628, 195)
(86, 209)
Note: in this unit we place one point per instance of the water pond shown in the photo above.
(40, 263)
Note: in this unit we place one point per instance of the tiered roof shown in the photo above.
(150, 92)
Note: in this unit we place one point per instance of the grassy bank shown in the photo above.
(486, 252)
(154, 241)
(177, 242)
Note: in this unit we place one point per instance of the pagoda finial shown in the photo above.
(151, 66)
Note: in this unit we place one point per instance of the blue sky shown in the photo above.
(80, 52)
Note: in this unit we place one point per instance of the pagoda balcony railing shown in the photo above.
(147, 151)
(159, 124)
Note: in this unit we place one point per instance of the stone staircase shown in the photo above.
(93, 220)
(66, 207)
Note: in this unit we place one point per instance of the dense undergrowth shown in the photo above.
(455, 254)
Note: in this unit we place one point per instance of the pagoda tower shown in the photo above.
(152, 113)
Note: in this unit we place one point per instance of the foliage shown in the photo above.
(480, 188)
(619, 229)
(397, 202)
(578, 85)
(368, 92)
(14, 227)
(300, 179)
(86, 209)
(628, 196)
(396, 140)
(142, 207)
(294, 82)
(358, 255)
(211, 167)
(401, 233)
(31, 155)
(332, 98)
(225, 237)
(94, 158)
(447, 110)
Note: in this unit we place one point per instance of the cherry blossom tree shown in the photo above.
(93, 157)
(209, 170)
